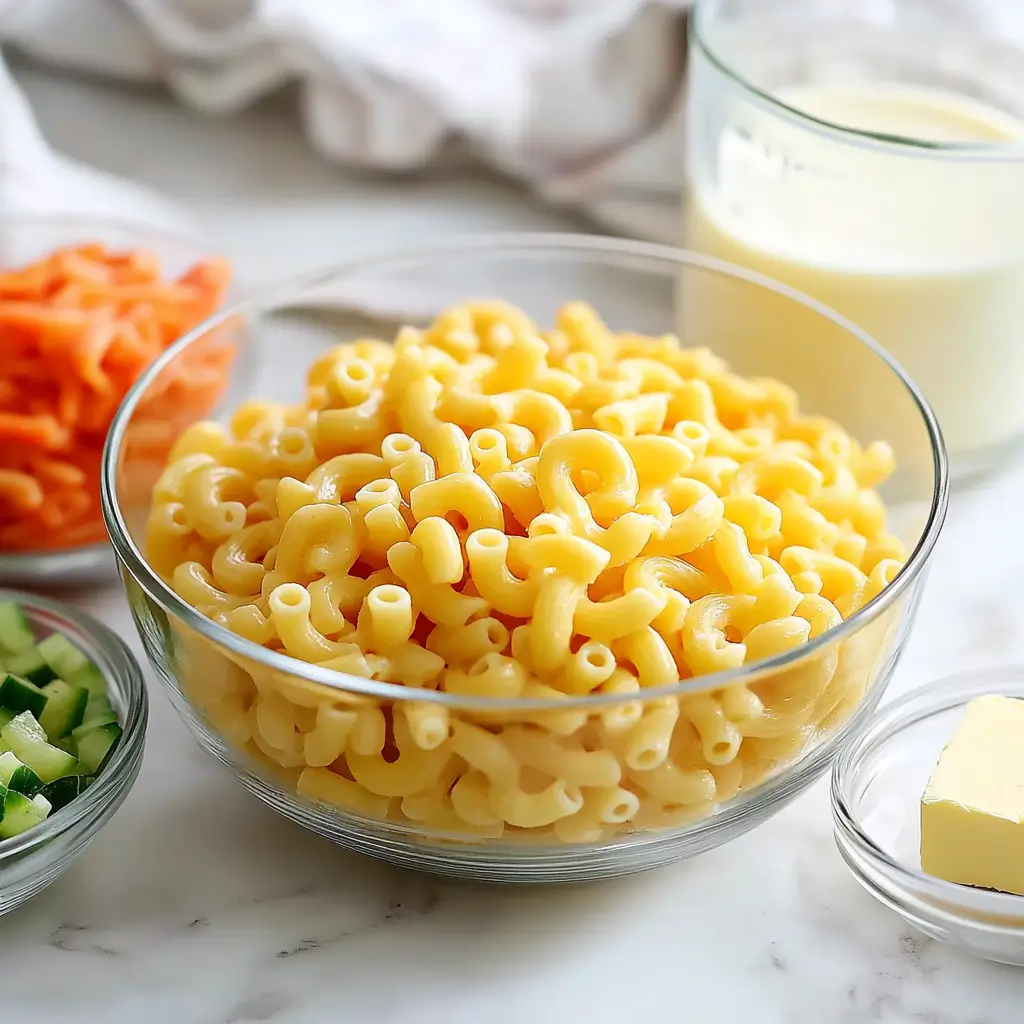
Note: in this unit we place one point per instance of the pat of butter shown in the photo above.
(972, 813)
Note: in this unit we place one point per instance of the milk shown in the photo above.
(921, 247)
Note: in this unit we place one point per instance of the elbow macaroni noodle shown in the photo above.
(487, 509)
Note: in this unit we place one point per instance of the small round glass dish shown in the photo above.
(24, 240)
(230, 691)
(877, 783)
(31, 861)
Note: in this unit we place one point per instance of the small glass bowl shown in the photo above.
(31, 237)
(31, 861)
(830, 686)
(877, 784)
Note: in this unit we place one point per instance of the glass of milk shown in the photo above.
(871, 154)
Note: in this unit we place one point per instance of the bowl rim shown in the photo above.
(48, 563)
(949, 899)
(45, 562)
(118, 773)
(510, 245)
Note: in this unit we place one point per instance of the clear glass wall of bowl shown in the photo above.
(871, 154)
(249, 706)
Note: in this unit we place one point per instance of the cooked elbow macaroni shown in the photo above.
(487, 509)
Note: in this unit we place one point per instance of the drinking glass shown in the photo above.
(870, 153)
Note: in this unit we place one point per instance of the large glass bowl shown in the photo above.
(24, 239)
(829, 686)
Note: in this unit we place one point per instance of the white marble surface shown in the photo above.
(197, 904)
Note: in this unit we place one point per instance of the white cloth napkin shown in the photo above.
(579, 98)
(36, 180)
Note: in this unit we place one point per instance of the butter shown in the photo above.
(972, 812)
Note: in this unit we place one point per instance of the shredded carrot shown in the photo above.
(34, 431)
(58, 472)
(77, 328)
(19, 490)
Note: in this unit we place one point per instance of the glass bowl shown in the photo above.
(828, 687)
(31, 861)
(31, 237)
(877, 784)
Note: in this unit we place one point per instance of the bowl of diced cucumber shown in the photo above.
(73, 712)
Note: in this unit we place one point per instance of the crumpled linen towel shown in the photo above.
(581, 99)
(36, 180)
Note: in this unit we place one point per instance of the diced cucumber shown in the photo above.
(30, 665)
(26, 722)
(65, 708)
(15, 632)
(19, 695)
(17, 776)
(9, 764)
(21, 813)
(66, 743)
(61, 792)
(96, 745)
(70, 664)
(67, 660)
(99, 706)
(107, 718)
(25, 781)
(58, 727)
(24, 736)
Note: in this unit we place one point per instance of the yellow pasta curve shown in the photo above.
(486, 508)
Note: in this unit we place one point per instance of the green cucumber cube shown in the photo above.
(91, 723)
(21, 813)
(61, 792)
(9, 764)
(67, 744)
(24, 736)
(30, 665)
(15, 632)
(65, 708)
(99, 706)
(70, 664)
(95, 746)
(25, 781)
(19, 695)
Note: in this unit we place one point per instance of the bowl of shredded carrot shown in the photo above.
(85, 308)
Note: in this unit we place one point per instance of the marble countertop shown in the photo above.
(197, 905)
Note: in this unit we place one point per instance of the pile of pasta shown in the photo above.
(487, 509)
(77, 327)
